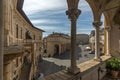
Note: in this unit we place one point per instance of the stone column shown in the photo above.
(97, 25)
(108, 28)
(1, 39)
(73, 14)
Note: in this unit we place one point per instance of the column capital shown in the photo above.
(97, 23)
(73, 14)
(108, 28)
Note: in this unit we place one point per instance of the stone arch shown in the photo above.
(106, 26)
(116, 18)
(97, 10)
(97, 13)
(106, 19)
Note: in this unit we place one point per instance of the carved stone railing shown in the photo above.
(18, 49)
(89, 70)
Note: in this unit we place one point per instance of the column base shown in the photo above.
(108, 54)
(98, 59)
(73, 71)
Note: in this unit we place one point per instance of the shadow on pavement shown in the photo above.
(66, 55)
(47, 67)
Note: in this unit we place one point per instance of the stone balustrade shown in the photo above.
(91, 70)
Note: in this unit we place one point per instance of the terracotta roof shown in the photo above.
(19, 8)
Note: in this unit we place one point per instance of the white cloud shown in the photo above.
(84, 6)
(31, 6)
(55, 29)
(84, 29)
(48, 21)
(49, 8)
(84, 20)
(48, 28)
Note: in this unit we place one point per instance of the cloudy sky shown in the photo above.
(49, 15)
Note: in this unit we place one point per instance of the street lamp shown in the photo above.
(73, 13)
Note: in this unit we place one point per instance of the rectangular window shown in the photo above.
(21, 33)
(39, 37)
(17, 62)
(16, 31)
(34, 37)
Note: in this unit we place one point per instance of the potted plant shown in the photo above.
(113, 65)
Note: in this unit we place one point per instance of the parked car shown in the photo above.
(92, 52)
(87, 48)
(39, 76)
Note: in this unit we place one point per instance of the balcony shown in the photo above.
(18, 49)
(13, 51)
(88, 70)
(28, 44)
(32, 41)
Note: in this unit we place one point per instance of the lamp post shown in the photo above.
(1, 39)
(73, 13)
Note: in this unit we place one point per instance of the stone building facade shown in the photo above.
(57, 43)
(82, 38)
(92, 40)
(22, 43)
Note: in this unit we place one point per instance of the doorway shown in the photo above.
(56, 49)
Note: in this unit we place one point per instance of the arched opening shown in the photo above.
(85, 31)
(102, 36)
(56, 49)
(112, 31)
(84, 26)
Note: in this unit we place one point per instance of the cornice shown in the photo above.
(20, 10)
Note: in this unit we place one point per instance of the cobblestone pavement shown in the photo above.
(54, 64)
